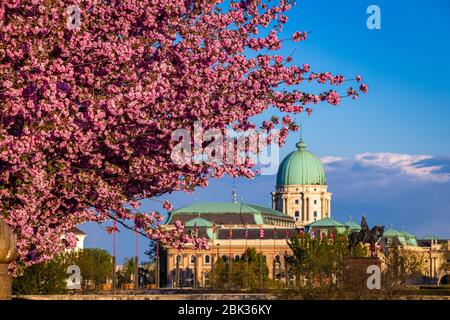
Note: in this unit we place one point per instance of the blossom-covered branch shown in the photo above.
(87, 107)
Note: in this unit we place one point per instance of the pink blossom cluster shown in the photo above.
(299, 36)
(87, 113)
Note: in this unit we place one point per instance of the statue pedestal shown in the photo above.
(7, 255)
(357, 271)
(5, 282)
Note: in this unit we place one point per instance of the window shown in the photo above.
(277, 259)
(207, 259)
(237, 258)
(315, 201)
(296, 219)
(178, 259)
(193, 258)
(315, 214)
(296, 201)
(297, 214)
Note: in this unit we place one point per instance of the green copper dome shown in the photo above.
(301, 167)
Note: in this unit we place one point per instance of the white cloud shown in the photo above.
(419, 167)
(331, 159)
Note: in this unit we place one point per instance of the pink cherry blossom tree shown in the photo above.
(90, 92)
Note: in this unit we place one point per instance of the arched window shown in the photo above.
(193, 259)
(207, 259)
(297, 214)
(277, 259)
(315, 214)
(237, 258)
(178, 259)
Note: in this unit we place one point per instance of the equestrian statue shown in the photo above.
(366, 235)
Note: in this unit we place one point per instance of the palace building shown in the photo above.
(300, 203)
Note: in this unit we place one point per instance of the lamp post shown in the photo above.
(136, 263)
(114, 260)
(157, 266)
(7, 255)
(177, 272)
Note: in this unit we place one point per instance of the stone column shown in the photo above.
(303, 213)
(7, 255)
(273, 202)
(329, 208)
(307, 209)
(322, 207)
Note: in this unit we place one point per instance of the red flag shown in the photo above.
(320, 235)
(332, 236)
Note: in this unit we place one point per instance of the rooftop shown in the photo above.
(326, 222)
(77, 231)
(226, 207)
(222, 213)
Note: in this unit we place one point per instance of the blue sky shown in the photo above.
(387, 154)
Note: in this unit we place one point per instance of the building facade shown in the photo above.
(230, 227)
(300, 203)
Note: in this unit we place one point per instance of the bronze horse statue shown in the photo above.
(365, 235)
